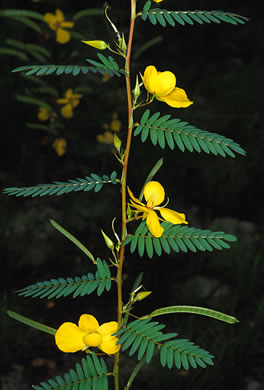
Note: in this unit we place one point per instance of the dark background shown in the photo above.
(221, 69)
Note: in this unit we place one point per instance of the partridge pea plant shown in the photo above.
(159, 229)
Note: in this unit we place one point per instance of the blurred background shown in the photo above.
(220, 66)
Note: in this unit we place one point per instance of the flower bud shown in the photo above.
(101, 45)
(136, 90)
(108, 241)
(117, 142)
(122, 44)
(142, 295)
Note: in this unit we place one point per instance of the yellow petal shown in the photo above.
(51, 20)
(158, 83)
(177, 99)
(62, 101)
(108, 345)
(106, 138)
(150, 77)
(59, 15)
(68, 94)
(69, 338)
(67, 24)
(115, 125)
(43, 114)
(60, 145)
(133, 197)
(166, 82)
(108, 328)
(153, 224)
(142, 209)
(75, 100)
(88, 323)
(173, 216)
(154, 193)
(77, 96)
(92, 339)
(62, 36)
(66, 111)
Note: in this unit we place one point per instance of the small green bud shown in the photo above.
(136, 90)
(117, 142)
(129, 211)
(108, 241)
(101, 45)
(122, 44)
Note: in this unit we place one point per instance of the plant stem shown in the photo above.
(124, 182)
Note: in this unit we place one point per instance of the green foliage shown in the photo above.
(172, 132)
(24, 49)
(31, 323)
(194, 310)
(90, 374)
(25, 17)
(92, 182)
(177, 238)
(33, 100)
(87, 12)
(77, 286)
(21, 13)
(164, 17)
(73, 239)
(144, 336)
(107, 65)
(13, 52)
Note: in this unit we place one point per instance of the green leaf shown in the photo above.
(35, 50)
(176, 237)
(75, 70)
(147, 6)
(72, 239)
(150, 176)
(29, 322)
(60, 188)
(172, 132)
(91, 374)
(21, 13)
(28, 23)
(32, 100)
(13, 52)
(144, 336)
(76, 286)
(163, 16)
(87, 12)
(194, 310)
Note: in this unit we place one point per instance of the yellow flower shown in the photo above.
(158, 1)
(163, 86)
(44, 114)
(56, 22)
(60, 145)
(106, 138)
(115, 124)
(101, 45)
(70, 101)
(72, 338)
(154, 194)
